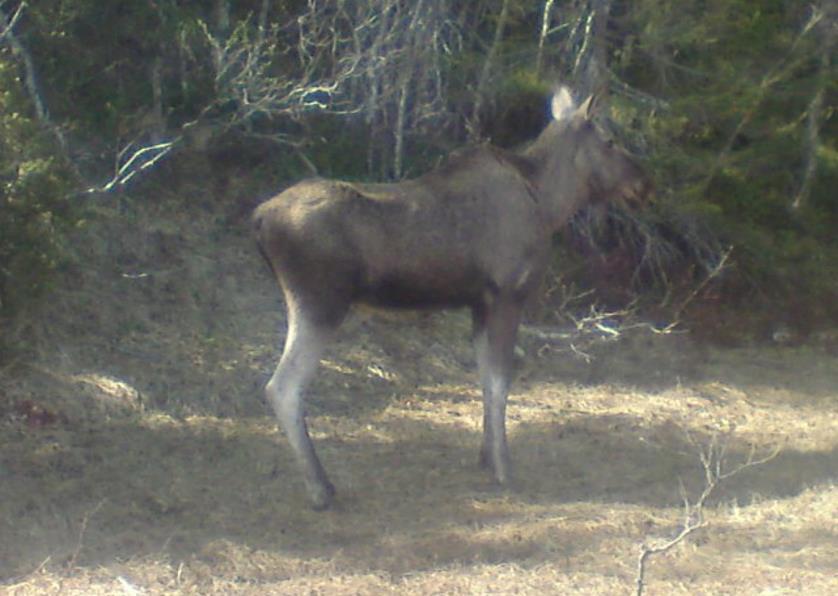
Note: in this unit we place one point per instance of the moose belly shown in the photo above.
(440, 288)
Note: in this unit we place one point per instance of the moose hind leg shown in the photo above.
(303, 346)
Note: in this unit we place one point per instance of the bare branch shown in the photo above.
(381, 58)
(634, 94)
(712, 274)
(713, 458)
(9, 23)
(19, 581)
(82, 531)
(590, 66)
(590, 329)
(140, 160)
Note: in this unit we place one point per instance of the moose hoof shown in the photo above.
(502, 477)
(322, 496)
(499, 472)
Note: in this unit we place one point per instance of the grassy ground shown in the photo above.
(137, 456)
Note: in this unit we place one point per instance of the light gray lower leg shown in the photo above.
(303, 347)
(494, 452)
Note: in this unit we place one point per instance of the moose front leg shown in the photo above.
(495, 331)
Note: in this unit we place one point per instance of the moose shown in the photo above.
(474, 233)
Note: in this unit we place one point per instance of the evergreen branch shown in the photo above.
(30, 80)
(636, 94)
(773, 76)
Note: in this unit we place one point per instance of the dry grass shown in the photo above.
(143, 460)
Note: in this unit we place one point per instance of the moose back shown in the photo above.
(474, 233)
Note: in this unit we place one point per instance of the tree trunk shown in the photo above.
(158, 121)
(815, 111)
(398, 156)
(542, 36)
(813, 118)
(221, 14)
(590, 70)
(473, 125)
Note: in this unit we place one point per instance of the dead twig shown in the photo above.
(19, 581)
(712, 274)
(593, 327)
(139, 161)
(713, 461)
(128, 587)
(82, 530)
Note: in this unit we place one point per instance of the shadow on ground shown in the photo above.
(411, 495)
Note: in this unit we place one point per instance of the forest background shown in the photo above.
(216, 104)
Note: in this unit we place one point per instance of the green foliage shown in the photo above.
(33, 207)
(731, 143)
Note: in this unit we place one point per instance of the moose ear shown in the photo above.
(562, 105)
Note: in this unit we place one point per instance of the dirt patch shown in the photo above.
(137, 455)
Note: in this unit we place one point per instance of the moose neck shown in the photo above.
(553, 176)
